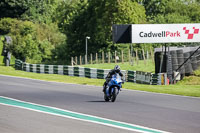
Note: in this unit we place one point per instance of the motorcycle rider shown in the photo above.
(109, 76)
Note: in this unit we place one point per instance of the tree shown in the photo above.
(95, 19)
(33, 10)
(41, 11)
(172, 11)
(13, 8)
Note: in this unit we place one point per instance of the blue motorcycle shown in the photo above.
(113, 88)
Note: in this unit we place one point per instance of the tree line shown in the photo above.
(52, 31)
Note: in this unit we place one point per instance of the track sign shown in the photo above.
(122, 33)
(157, 33)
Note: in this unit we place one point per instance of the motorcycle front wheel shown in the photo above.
(114, 95)
(106, 98)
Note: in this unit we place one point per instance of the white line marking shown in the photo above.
(102, 123)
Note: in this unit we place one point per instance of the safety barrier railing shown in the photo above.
(129, 76)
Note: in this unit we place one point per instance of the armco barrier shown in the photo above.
(146, 78)
(18, 64)
(129, 76)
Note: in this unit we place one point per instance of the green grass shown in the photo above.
(197, 73)
(186, 88)
(148, 67)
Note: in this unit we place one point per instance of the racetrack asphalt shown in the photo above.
(169, 113)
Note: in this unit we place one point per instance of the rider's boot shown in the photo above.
(104, 87)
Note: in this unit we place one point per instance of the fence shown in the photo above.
(113, 57)
(130, 76)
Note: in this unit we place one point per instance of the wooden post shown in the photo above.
(103, 57)
(143, 56)
(91, 58)
(115, 57)
(152, 55)
(80, 60)
(76, 60)
(122, 57)
(96, 58)
(129, 56)
(72, 60)
(109, 57)
(136, 52)
(85, 59)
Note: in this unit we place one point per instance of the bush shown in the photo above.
(6, 24)
(197, 72)
(32, 42)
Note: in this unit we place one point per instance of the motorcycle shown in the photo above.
(113, 88)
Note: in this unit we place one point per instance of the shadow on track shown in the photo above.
(96, 101)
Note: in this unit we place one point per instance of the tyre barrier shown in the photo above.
(157, 58)
(176, 61)
(188, 65)
(180, 58)
(194, 61)
(169, 69)
(198, 58)
(129, 76)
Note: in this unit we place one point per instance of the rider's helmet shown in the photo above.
(117, 69)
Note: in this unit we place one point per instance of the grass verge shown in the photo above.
(141, 66)
(182, 88)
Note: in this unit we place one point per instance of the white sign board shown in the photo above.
(165, 33)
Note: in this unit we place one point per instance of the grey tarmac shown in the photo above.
(158, 111)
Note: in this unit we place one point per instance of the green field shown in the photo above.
(141, 66)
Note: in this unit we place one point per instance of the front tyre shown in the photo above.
(106, 98)
(114, 94)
